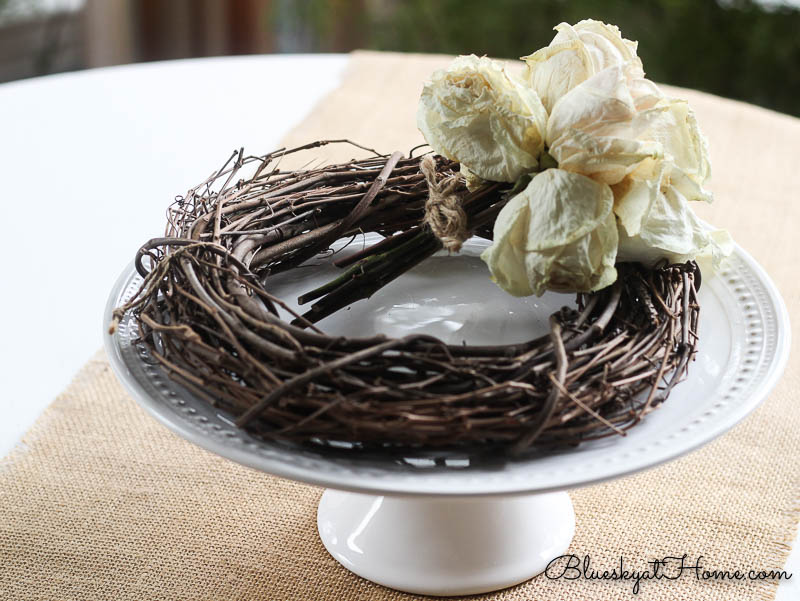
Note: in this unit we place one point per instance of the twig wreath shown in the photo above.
(206, 314)
(580, 174)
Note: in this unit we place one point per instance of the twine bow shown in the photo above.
(443, 211)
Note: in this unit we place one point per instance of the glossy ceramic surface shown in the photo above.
(445, 546)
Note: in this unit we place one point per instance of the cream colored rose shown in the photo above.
(656, 221)
(599, 130)
(558, 234)
(674, 125)
(596, 129)
(475, 113)
(655, 159)
(576, 53)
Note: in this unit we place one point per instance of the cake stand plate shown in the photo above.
(450, 523)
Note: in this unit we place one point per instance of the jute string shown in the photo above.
(443, 211)
(100, 501)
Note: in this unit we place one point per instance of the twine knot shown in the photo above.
(443, 211)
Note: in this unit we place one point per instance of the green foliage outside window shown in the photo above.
(735, 48)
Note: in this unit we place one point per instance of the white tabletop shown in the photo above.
(89, 162)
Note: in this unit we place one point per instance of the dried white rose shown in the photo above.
(629, 159)
(655, 159)
(558, 234)
(475, 113)
(599, 130)
(675, 127)
(576, 53)
(656, 221)
(596, 129)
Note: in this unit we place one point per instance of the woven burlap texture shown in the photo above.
(102, 502)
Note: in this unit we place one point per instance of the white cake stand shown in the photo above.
(460, 524)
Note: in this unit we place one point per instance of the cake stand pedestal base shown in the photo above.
(445, 545)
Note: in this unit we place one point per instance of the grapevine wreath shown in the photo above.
(580, 174)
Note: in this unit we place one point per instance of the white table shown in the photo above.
(80, 151)
(89, 163)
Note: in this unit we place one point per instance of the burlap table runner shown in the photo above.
(102, 502)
